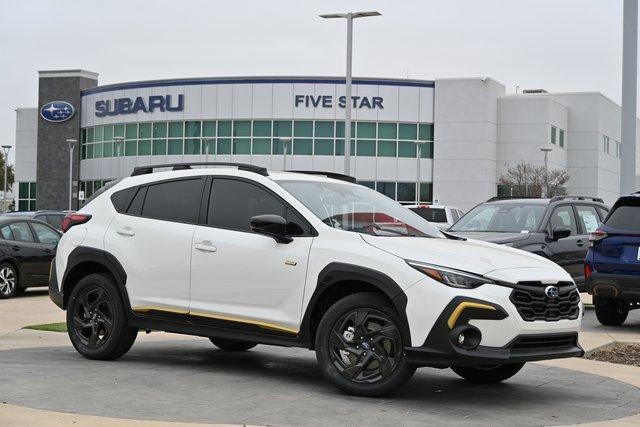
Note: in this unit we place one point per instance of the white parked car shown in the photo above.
(246, 256)
(441, 216)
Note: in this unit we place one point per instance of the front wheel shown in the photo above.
(8, 281)
(232, 345)
(609, 311)
(493, 374)
(360, 347)
(96, 319)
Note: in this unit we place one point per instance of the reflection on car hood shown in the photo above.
(493, 237)
(474, 256)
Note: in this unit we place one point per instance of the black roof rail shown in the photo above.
(496, 198)
(143, 170)
(558, 198)
(333, 175)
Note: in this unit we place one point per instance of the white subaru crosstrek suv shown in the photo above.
(244, 256)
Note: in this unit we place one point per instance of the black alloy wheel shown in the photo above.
(365, 345)
(360, 346)
(93, 317)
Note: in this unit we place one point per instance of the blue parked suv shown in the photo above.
(612, 266)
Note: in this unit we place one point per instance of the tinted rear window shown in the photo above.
(625, 217)
(177, 201)
(431, 214)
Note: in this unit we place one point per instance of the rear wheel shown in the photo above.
(232, 345)
(610, 312)
(8, 280)
(488, 375)
(97, 321)
(360, 347)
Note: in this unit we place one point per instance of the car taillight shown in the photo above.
(587, 271)
(596, 236)
(74, 219)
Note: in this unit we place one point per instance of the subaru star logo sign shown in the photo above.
(551, 292)
(57, 111)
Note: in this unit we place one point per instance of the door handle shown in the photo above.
(47, 250)
(580, 243)
(15, 248)
(205, 246)
(126, 231)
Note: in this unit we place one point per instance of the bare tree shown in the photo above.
(529, 180)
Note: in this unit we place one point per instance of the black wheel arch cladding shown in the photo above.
(335, 273)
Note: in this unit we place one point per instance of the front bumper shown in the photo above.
(54, 292)
(619, 286)
(525, 348)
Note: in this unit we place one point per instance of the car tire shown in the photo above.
(8, 280)
(97, 320)
(353, 355)
(232, 345)
(609, 311)
(488, 375)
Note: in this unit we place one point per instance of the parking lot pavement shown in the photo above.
(171, 378)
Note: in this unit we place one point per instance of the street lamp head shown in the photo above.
(6, 147)
(118, 138)
(546, 150)
(334, 15)
(350, 15)
(285, 140)
(365, 14)
(72, 141)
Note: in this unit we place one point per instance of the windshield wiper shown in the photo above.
(451, 236)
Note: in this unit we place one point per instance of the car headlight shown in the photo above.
(450, 276)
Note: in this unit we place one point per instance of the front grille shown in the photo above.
(545, 342)
(533, 304)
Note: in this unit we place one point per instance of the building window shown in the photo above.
(403, 192)
(606, 142)
(256, 137)
(561, 138)
(553, 135)
(27, 192)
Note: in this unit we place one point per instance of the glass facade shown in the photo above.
(258, 137)
(27, 192)
(403, 192)
(89, 187)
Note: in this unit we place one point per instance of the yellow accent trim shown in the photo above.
(264, 325)
(461, 307)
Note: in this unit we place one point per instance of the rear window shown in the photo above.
(431, 214)
(626, 217)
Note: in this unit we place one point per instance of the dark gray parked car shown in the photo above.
(53, 218)
(556, 228)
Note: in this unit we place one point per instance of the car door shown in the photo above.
(244, 277)
(151, 238)
(569, 251)
(27, 253)
(47, 237)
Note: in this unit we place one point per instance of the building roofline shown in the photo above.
(259, 79)
(548, 94)
(68, 73)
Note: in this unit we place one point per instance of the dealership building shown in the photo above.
(458, 136)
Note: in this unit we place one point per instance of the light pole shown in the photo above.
(347, 110)
(545, 187)
(419, 145)
(5, 151)
(72, 144)
(118, 142)
(285, 144)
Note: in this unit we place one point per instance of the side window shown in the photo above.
(6, 233)
(177, 201)
(121, 199)
(233, 203)
(588, 218)
(454, 214)
(45, 234)
(21, 232)
(603, 213)
(55, 221)
(135, 208)
(563, 217)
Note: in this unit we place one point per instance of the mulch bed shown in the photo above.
(626, 354)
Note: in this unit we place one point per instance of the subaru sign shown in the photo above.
(120, 106)
(57, 111)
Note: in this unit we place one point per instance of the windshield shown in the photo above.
(502, 218)
(357, 208)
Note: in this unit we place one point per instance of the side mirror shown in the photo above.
(560, 233)
(271, 225)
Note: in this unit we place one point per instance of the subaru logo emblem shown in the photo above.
(551, 292)
(57, 111)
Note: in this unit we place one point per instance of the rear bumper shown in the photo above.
(525, 348)
(55, 295)
(619, 286)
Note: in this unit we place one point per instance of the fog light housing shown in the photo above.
(466, 337)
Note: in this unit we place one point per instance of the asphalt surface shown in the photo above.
(190, 380)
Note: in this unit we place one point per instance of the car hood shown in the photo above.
(493, 237)
(474, 256)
